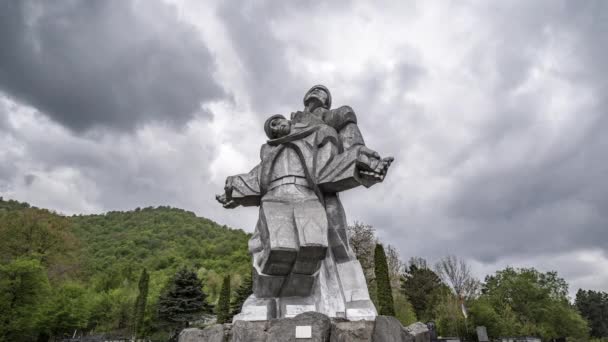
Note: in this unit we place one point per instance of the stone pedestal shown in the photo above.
(310, 326)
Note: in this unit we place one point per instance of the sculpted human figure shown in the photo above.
(301, 257)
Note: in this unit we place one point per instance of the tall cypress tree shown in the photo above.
(241, 294)
(140, 303)
(383, 283)
(184, 300)
(223, 305)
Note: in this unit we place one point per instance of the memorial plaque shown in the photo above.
(303, 331)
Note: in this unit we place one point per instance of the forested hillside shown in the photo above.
(117, 245)
(81, 272)
(150, 272)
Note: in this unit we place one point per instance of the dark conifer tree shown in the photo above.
(383, 283)
(593, 306)
(183, 301)
(423, 288)
(241, 295)
(140, 303)
(223, 305)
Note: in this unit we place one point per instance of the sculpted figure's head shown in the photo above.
(317, 96)
(277, 126)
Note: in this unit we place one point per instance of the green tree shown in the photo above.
(242, 293)
(593, 305)
(404, 311)
(449, 317)
(384, 292)
(537, 301)
(37, 233)
(183, 301)
(24, 289)
(68, 309)
(140, 303)
(422, 287)
(223, 305)
(105, 255)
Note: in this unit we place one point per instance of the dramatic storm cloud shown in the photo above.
(104, 63)
(494, 111)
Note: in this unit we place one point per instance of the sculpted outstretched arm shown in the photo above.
(243, 189)
(358, 164)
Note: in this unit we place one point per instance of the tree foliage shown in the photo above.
(24, 289)
(242, 293)
(422, 287)
(89, 266)
(39, 234)
(140, 303)
(184, 300)
(362, 240)
(83, 273)
(384, 292)
(449, 317)
(223, 304)
(533, 303)
(68, 309)
(593, 305)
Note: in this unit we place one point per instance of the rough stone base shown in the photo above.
(323, 329)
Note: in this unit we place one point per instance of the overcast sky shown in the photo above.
(495, 112)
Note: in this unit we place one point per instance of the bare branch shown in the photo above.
(456, 273)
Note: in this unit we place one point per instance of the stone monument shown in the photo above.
(302, 260)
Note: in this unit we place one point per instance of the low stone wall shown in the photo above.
(310, 326)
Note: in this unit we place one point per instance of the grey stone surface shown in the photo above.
(389, 329)
(284, 329)
(244, 331)
(215, 333)
(258, 309)
(358, 331)
(419, 331)
(322, 328)
(432, 330)
(299, 246)
(482, 334)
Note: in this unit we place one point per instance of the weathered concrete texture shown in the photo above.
(419, 331)
(214, 333)
(357, 331)
(245, 331)
(384, 329)
(389, 329)
(283, 329)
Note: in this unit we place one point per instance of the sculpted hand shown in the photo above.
(226, 202)
(372, 169)
(226, 198)
(367, 159)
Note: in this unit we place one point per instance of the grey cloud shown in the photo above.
(112, 64)
(270, 83)
(75, 174)
(29, 179)
(556, 200)
(549, 204)
(498, 209)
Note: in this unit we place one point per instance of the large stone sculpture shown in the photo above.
(302, 260)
